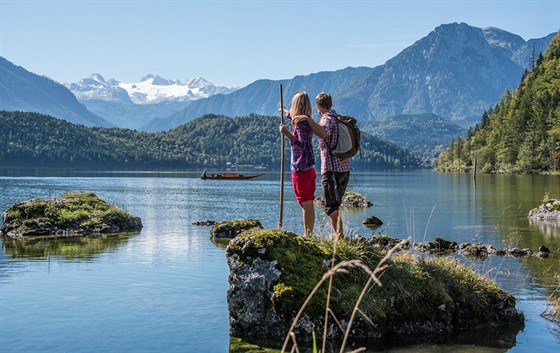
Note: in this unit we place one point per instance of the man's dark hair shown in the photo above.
(324, 100)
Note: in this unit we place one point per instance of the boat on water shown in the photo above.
(228, 176)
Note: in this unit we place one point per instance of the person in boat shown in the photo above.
(204, 174)
(302, 158)
(335, 171)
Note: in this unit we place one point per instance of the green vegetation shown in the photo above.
(553, 311)
(36, 140)
(238, 345)
(522, 133)
(222, 232)
(425, 135)
(72, 214)
(414, 292)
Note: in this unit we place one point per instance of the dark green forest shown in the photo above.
(522, 133)
(426, 135)
(36, 140)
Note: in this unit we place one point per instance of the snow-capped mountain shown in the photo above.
(151, 89)
(96, 88)
(131, 105)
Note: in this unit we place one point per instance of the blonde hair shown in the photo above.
(301, 105)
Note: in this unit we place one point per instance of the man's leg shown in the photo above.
(332, 203)
(336, 222)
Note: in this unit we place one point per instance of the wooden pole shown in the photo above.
(281, 161)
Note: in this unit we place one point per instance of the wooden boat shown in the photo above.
(228, 176)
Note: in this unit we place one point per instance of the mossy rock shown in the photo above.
(73, 214)
(548, 211)
(272, 272)
(231, 229)
(350, 199)
(372, 222)
(437, 246)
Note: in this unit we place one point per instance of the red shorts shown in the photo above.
(304, 185)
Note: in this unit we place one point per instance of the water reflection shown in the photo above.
(550, 230)
(238, 345)
(69, 248)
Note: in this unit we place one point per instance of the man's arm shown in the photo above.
(317, 129)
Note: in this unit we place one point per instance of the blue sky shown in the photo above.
(234, 43)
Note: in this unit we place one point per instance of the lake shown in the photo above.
(164, 289)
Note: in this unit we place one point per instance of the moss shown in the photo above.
(238, 345)
(548, 204)
(231, 229)
(471, 292)
(76, 211)
(433, 290)
(429, 290)
(300, 260)
(280, 291)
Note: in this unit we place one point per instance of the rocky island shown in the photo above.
(548, 211)
(418, 299)
(72, 214)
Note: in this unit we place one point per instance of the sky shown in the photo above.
(234, 43)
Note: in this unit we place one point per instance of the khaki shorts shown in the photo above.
(334, 186)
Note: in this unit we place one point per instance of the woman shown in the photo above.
(302, 158)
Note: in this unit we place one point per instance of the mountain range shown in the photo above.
(454, 73)
(21, 90)
(132, 105)
(151, 89)
(457, 72)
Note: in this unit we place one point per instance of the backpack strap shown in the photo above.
(331, 149)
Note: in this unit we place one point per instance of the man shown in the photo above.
(335, 172)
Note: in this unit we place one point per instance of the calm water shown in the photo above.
(164, 289)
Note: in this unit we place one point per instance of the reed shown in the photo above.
(342, 267)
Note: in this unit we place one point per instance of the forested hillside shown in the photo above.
(36, 140)
(425, 135)
(522, 133)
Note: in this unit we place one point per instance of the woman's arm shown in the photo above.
(284, 130)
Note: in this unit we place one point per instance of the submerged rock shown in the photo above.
(476, 250)
(438, 245)
(203, 223)
(272, 272)
(73, 214)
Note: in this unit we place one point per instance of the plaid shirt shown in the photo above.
(331, 163)
(303, 157)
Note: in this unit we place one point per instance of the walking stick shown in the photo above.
(281, 161)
